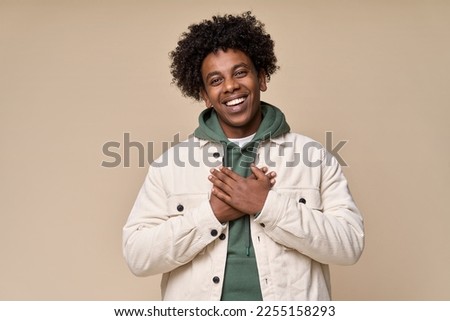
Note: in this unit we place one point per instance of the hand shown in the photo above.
(224, 212)
(246, 195)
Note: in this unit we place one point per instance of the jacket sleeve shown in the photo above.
(331, 234)
(157, 240)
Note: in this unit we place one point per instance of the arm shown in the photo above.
(333, 234)
(157, 239)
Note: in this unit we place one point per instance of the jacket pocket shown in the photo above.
(308, 196)
(178, 204)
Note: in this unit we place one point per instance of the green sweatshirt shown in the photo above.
(241, 281)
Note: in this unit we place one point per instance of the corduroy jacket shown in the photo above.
(309, 221)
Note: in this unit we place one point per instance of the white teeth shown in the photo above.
(235, 101)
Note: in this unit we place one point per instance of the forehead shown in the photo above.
(223, 61)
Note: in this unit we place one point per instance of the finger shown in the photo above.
(272, 174)
(264, 169)
(221, 195)
(272, 182)
(217, 183)
(259, 174)
(233, 175)
(222, 176)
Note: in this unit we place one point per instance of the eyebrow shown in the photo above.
(214, 73)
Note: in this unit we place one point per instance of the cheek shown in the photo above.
(214, 96)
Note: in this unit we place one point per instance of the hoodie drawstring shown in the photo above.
(249, 235)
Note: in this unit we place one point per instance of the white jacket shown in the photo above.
(309, 220)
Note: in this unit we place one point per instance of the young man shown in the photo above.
(210, 215)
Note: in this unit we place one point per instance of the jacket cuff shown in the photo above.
(269, 216)
(207, 221)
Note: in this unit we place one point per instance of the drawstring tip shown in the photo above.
(247, 250)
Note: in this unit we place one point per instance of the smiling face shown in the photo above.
(232, 87)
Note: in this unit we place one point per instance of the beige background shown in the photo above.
(77, 74)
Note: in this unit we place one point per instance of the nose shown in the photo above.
(231, 84)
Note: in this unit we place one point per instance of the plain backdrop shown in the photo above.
(75, 75)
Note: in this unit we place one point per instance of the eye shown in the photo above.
(215, 81)
(241, 73)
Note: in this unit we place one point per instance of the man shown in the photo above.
(211, 217)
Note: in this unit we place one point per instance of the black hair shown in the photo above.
(242, 32)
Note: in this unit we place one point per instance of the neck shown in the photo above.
(242, 131)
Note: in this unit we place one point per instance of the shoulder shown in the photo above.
(188, 152)
(298, 140)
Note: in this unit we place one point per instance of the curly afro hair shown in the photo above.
(242, 32)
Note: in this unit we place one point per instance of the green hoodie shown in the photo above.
(241, 281)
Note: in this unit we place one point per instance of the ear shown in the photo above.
(262, 80)
(205, 98)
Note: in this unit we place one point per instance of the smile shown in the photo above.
(235, 102)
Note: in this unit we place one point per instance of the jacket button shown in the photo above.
(263, 225)
(216, 155)
(180, 208)
(216, 279)
(302, 200)
(222, 236)
(214, 232)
